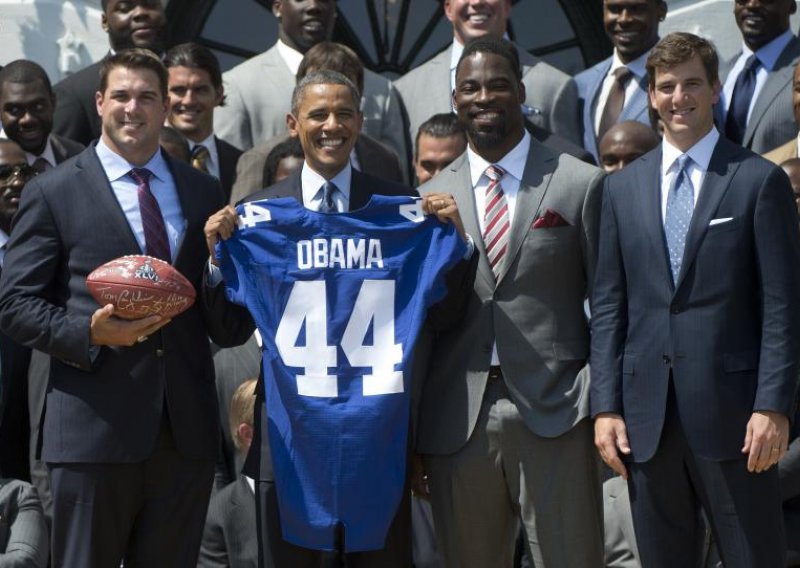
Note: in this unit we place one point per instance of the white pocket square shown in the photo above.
(720, 221)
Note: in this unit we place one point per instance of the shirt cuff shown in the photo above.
(213, 275)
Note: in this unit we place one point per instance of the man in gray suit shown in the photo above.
(503, 425)
(755, 108)
(551, 94)
(256, 111)
(615, 89)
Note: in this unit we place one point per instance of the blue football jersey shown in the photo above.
(339, 300)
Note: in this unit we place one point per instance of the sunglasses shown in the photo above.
(22, 171)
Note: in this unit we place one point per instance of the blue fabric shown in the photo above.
(680, 205)
(339, 459)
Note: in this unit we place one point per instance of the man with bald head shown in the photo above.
(624, 142)
(254, 114)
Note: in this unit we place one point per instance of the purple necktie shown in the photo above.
(155, 234)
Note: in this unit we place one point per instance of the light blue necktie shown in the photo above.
(680, 205)
(328, 204)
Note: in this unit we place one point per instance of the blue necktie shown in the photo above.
(680, 205)
(328, 204)
(743, 90)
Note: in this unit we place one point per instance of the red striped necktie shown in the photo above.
(155, 233)
(496, 220)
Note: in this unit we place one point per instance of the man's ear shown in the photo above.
(276, 8)
(104, 22)
(245, 434)
(98, 101)
(523, 95)
(291, 124)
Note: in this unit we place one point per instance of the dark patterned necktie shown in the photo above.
(200, 158)
(328, 204)
(155, 233)
(736, 122)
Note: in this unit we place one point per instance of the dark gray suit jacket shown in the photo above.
(229, 539)
(228, 158)
(109, 408)
(728, 331)
(76, 113)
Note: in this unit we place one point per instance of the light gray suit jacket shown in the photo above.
(551, 94)
(259, 95)
(534, 312)
(772, 121)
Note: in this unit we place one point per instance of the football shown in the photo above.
(141, 286)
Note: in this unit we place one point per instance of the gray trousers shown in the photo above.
(505, 475)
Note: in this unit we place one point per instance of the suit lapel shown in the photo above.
(721, 169)
(648, 177)
(588, 109)
(359, 192)
(776, 82)
(535, 180)
(192, 219)
(461, 187)
(92, 176)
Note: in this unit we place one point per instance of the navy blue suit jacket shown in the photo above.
(729, 329)
(109, 409)
(590, 83)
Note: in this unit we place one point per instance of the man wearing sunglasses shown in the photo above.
(14, 425)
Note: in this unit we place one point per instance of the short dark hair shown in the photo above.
(289, 147)
(323, 77)
(442, 125)
(195, 56)
(680, 47)
(501, 47)
(331, 56)
(134, 58)
(25, 71)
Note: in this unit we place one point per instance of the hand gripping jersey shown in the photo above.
(339, 300)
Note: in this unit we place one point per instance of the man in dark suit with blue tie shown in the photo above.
(696, 327)
(130, 432)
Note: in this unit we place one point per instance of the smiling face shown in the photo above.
(192, 99)
(761, 21)
(26, 112)
(488, 99)
(132, 109)
(435, 153)
(14, 173)
(327, 122)
(304, 23)
(476, 18)
(632, 25)
(135, 23)
(684, 97)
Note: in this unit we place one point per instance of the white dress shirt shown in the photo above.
(636, 67)
(700, 154)
(162, 186)
(48, 154)
(212, 163)
(290, 56)
(767, 56)
(513, 164)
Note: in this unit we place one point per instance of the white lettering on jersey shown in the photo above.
(413, 211)
(253, 215)
(339, 253)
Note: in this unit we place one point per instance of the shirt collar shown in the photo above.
(117, 167)
(47, 154)
(637, 66)
(311, 182)
(700, 153)
(768, 55)
(512, 163)
(3, 238)
(290, 56)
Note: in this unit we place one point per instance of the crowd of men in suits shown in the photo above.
(636, 184)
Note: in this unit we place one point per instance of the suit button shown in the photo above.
(676, 310)
(159, 352)
(666, 359)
